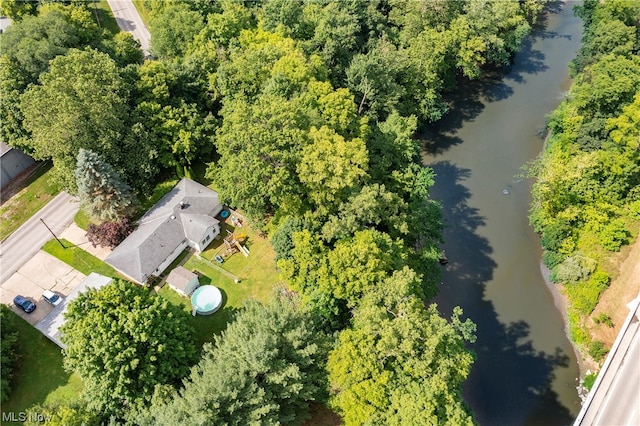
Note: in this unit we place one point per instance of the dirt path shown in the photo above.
(623, 289)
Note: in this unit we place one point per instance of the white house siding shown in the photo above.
(211, 233)
(170, 258)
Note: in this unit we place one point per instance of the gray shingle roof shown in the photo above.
(179, 278)
(164, 227)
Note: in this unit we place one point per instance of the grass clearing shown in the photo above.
(79, 259)
(257, 277)
(37, 192)
(144, 13)
(39, 376)
(104, 16)
(258, 269)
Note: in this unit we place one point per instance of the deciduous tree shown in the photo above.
(401, 363)
(80, 103)
(122, 341)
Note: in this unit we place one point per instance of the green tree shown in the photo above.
(375, 78)
(332, 167)
(80, 103)
(124, 49)
(122, 341)
(373, 207)
(8, 350)
(26, 48)
(257, 170)
(401, 363)
(102, 192)
(172, 28)
(264, 368)
(62, 415)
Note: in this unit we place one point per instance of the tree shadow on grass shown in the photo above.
(510, 382)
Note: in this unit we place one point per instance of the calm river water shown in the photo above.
(526, 371)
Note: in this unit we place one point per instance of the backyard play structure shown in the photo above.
(234, 242)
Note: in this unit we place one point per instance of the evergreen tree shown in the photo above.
(103, 193)
(264, 369)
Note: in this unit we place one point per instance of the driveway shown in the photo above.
(41, 272)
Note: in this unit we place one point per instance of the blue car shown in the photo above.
(24, 304)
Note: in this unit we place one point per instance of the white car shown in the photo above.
(51, 297)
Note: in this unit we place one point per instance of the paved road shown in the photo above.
(129, 21)
(27, 240)
(4, 23)
(621, 405)
(615, 397)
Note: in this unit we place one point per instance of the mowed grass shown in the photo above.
(104, 16)
(38, 191)
(39, 376)
(258, 269)
(79, 259)
(257, 278)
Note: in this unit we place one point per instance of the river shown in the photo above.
(526, 371)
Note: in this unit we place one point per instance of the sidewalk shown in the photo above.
(74, 234)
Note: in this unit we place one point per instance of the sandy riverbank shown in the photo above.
(561, 302)
(624, 287)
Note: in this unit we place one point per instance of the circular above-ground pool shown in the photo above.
(206, 300)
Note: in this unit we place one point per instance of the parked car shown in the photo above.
(52, 297)
(24, 303)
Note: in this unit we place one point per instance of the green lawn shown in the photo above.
(38, 191)
(258, 270)
(144, 13)
(79, 259)
(39, 376)
(104, 16)
(256, 273)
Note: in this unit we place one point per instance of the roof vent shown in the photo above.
(173, 217)
(182, 206)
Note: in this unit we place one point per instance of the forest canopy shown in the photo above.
(305, 115)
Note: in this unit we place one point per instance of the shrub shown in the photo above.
(589, 380)
(554, 234)
(584, 296)
(573, 269)
(578, 332)
(604, 319)
(614, 235)
(634, 209)
(552, 258)
(597, 350)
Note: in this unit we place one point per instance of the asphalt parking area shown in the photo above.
(42, 272)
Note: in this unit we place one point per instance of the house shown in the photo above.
(183, 281)
(12, 163)
(185, 217)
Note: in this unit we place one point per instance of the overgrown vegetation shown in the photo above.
(587, 192)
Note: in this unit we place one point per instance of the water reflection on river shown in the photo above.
(526, 370)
